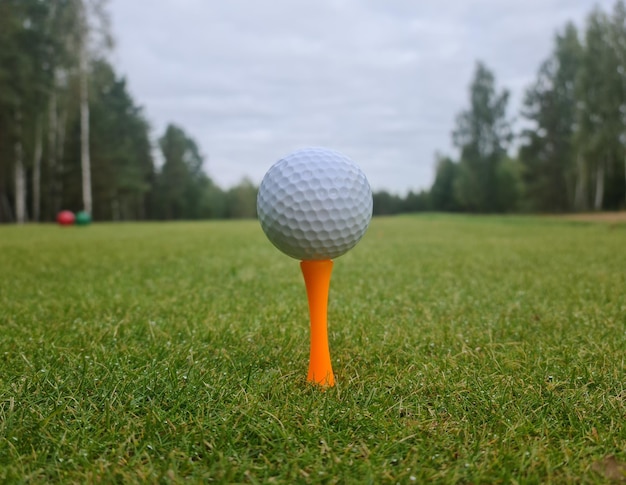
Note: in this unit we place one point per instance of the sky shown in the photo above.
(380, 80)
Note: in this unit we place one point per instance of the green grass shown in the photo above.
(466, 349)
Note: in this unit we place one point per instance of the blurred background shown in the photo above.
(166, 110)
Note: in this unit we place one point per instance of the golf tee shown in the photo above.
(317, 280)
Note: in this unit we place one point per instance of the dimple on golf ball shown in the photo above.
(314, 204)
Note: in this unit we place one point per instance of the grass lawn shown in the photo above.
(466, 349)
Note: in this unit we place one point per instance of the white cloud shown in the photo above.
(379, 80)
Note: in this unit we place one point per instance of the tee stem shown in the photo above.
(317, 280)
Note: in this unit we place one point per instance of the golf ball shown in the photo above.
(83, 218)
(66, 218)
(314, 204)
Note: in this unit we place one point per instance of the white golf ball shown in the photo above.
(314, 204)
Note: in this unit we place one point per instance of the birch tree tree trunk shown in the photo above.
(37, 170)
(599, 196)
(84, 132)
(580, 202)
(59, 134)
(84, 111)
(53, 196)
(20, 175)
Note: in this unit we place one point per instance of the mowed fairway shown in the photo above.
(466, 349)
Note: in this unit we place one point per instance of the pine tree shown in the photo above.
(548, 153)
(482, 134)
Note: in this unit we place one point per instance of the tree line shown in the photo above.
(71, 135)
(571, 153)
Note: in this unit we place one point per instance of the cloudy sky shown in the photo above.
(380, 80)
